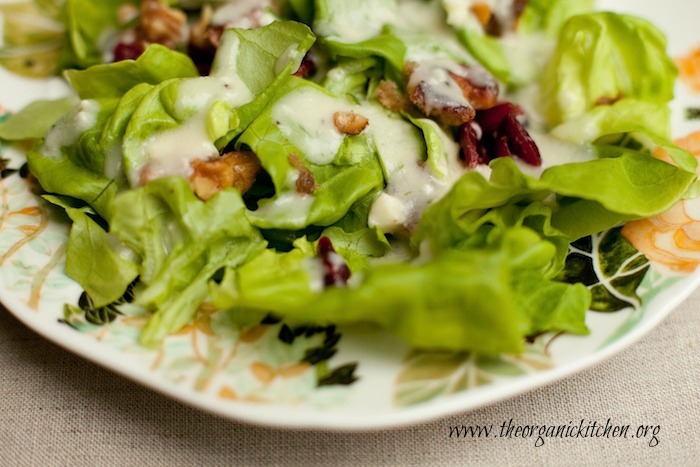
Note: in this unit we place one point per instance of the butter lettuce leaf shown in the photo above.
(351, 172)
(181, 242)
(465, 299)
(597, 194)
(156, 64)
(603, 57)
(36, 119)
(89, 25)
(69, 160)
(514, 58)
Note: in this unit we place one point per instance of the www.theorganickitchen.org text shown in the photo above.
(574, 429)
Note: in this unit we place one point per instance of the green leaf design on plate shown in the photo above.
(425, 375)
(610, 267)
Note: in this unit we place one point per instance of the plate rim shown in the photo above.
(319, 419)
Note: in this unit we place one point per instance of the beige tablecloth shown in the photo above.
(56, 409)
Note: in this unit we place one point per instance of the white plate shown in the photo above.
(251, 374)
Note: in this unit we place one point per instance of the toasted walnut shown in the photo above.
(389, 96)
(606, 100)
(127, 13)
(498, 24)
(482, 12)
(350, 123)
(161, 24)
(449, 91)
(236, 169)
(306, 182)
(478, 86)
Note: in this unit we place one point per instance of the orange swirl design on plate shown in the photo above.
(672, 239)
(689, 69)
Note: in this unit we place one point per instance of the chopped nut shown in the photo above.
(605, 100)
(482, 12)
(389, 96)
(499, 24)
(350, 123)
(161, 24)
(432, 105)
(127, 13)
(479, 87)
(306, 182)
(236, 169)
(449, 91)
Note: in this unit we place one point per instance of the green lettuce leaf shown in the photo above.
(89, 25)
(36, 119)
(516, 57)
(467, 299)
(156, 64)
(596, 194)
(263, 58)
(69, 160)
(181, 242)
(97, 261)
(550, 15)
(353, 173)
(606, 57)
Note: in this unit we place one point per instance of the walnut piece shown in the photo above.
(448, 91)
(306, 182)
(161, 24)
(388, 94)
(350, 123)
(236, 169)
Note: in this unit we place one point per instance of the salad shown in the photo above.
(419, 165)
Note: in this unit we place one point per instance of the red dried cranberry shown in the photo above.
(503, 135)
(128, 51)
(491, 119)
(337, 272)
(520, 142)
(473, 152)
(306, 68)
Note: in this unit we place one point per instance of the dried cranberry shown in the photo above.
(491, 119)
(337, 272)
(472, 153)
(128, 50)
(520, 142)
(306, 68)
(503, 135)
(501, 148)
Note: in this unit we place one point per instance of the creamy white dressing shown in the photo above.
(305, 117)
(290, 205)
(67, 131)
(113, 162)
(426, 34)
(554, 152)
(244, 14)
(388, 213)
(171, 152)
(411, 183)
(351, 23)
(443, 90)
(316, 271)
(461, 15)
(291, 54)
